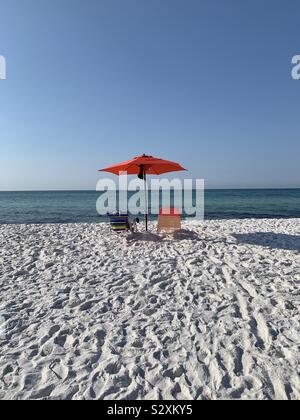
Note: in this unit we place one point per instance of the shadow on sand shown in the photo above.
(270, 240)
(143, 237)
(180, 235)
(186, 235)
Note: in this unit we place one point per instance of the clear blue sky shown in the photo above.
(206, 83)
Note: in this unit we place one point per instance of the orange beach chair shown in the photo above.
(169, 220)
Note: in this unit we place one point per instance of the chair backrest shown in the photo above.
(119, 222)
(169, 220)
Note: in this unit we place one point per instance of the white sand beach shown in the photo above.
(211, 313)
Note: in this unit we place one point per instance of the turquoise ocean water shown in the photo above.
(80, 206)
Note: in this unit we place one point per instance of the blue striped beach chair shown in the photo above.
(119, 222)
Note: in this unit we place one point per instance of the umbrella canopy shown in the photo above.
(142, 166)
(151, 166)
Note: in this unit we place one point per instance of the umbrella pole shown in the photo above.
(146, 201)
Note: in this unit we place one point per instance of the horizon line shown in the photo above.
(206, 189)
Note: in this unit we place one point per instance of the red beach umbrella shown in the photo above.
(142, 166)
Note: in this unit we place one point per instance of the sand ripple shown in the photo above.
(212, 313)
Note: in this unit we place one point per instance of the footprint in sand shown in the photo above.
(100, 337)
(113, 368)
